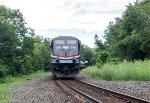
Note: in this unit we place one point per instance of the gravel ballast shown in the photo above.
(45, 90)
(40, 90)
(96, 93)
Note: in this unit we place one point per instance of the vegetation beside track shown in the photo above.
(138, 71)
(6, 88)
(126, 39)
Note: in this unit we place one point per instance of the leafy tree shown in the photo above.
(99, 45)
(101, 58)
(21, 52)
(15, 18)
(86, 54)
(101, 54)
(41, 53)
(46, 54)
(129, 37)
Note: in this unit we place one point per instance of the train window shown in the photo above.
(59, 42)
(71, 41)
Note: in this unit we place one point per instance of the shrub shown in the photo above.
(3, 71)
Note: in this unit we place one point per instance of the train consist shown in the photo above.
(65, 56)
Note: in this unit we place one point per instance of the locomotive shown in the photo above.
(65, 56)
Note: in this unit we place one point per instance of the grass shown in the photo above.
(5, 88)
(137, 71)
(4, 92)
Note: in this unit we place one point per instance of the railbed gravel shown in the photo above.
(40, 90)
(94, 92)
(139, 89)
(44, 90)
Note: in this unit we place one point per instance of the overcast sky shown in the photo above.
(79, 18)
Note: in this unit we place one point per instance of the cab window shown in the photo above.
(71, 41)
(59, 41)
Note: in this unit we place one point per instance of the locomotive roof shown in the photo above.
(64, 37)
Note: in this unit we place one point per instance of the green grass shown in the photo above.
(5, 88)
(138, 71)
(4, 92)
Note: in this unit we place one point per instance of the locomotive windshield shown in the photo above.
(60, 46)
(59, 42)
(67, 42)
(71, 41)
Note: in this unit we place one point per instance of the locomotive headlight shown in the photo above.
(58, 47)
(73, 47)
(65, 47)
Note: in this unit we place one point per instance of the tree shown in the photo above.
(21, 52)
(99, 45)
(86, 54)
(101, 53)
(129, 37)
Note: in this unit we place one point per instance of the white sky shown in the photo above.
(79, 18)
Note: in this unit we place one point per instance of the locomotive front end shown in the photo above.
(65, 56)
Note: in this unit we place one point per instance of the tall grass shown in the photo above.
(138, 71)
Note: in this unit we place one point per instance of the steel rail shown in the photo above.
(130, 99)
(81, 93)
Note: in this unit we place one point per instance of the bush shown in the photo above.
(3, 71)
(101, 58)
(107, 74)
(114, 60)
(93, 72)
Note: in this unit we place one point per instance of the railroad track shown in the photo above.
(97, 94)
(127, 98)
(82, 97)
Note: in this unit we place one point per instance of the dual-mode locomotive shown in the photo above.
(65, 56)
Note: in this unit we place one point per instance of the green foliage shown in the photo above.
(113, 60)
(41, 54)
(129, 37)
(86, 54)
(101, 54)
(46, 54)
(101, 58)
(93, 72)
(21, 52)
(5, 93)
(3, 71)
(137, 70)
(99, 45)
